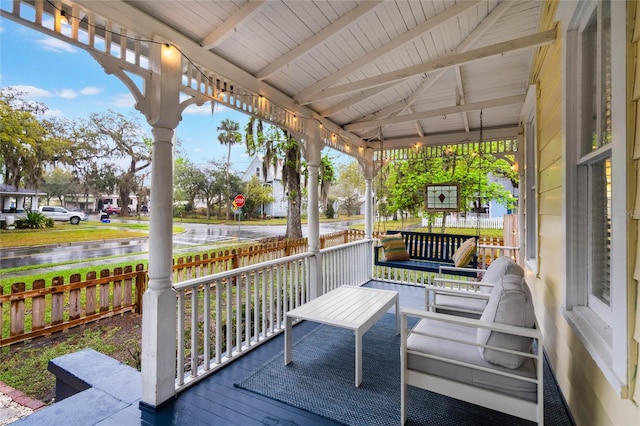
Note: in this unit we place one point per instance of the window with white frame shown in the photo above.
(592, 188)
(529, 180)
(530, 184)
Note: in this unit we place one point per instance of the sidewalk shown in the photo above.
(15, 405)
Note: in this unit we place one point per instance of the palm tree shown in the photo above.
(229, 136)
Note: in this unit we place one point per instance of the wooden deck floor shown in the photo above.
(216, 401)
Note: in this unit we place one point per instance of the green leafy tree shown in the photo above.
(188, 178)
(256, 196)
(350, 187)
(58, 183)
(25, 146)
(405, 181)
(121, 138)
(214, 185)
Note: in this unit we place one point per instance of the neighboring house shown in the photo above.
(496, 209)
(113, 200)
(280, 207)
(17, 200)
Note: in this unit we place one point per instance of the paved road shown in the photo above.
(195, 235)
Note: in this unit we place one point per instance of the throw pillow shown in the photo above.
(394, 248)
(510, 303)
(464, 254)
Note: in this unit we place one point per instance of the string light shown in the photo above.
(63, 18)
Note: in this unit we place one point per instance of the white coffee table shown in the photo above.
(353, 308)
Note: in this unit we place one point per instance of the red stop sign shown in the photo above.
(239, 200)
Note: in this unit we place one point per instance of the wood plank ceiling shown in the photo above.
(400, 71)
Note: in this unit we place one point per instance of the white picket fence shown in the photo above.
(468, 222)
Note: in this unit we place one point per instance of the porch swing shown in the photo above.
(433, 252)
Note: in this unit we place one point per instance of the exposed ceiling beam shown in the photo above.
(408, 36)
(397, 107)
(416, 123)
(457, 109)
(355, 99)
(526, 42)
(477, 32)
(235, 21)
(317, 39)
(450, 138)
(460, 96)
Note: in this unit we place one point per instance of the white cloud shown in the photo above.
(51, 113)
(32, 92)
(90, 90)
(124, 100)
(67, 93)
(55, 45)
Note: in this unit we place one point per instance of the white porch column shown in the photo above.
(313, 156)
(369, 171)
(159, 301)
(368, 207)
(162, 109)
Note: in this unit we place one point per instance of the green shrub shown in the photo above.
(34, 220)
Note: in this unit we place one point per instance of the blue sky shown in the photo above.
(73, 85)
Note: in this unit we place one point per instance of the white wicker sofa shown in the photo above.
(495, 361)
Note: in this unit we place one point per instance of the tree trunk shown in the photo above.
(444, 222)
(294, 222)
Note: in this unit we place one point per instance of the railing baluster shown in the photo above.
(218, 348)
(206, 338)
(194, 331)
(180, 343)
(229, 325)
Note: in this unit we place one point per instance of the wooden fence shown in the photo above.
(39, 309)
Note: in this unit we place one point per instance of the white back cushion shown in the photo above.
(496, 271)
(510, 303)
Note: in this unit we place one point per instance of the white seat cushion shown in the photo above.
(468, 354)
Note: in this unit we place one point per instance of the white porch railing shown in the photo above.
(224, 315)
(468, 222)
(349, 264)
(486, 254)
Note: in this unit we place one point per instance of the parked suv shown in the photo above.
(62, 214)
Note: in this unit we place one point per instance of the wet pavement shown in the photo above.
(204, 236)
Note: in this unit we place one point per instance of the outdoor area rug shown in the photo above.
(321, 380)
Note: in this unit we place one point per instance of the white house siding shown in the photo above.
(280, 207)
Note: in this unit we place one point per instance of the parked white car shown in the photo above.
(63, 215)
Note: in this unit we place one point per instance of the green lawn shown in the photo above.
(67, 233)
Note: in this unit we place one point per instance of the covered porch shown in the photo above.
(220, 399)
